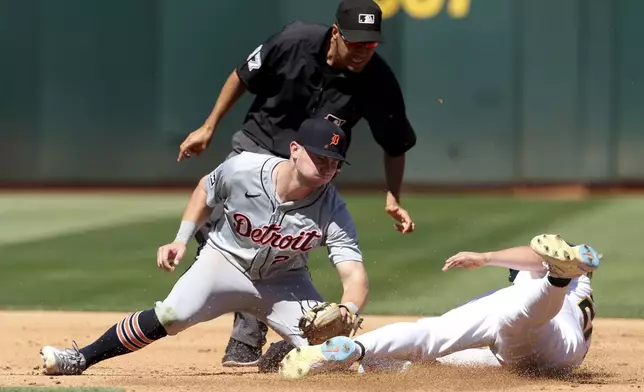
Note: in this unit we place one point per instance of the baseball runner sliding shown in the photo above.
(542, 323)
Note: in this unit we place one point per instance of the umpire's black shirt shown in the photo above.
(292, 82)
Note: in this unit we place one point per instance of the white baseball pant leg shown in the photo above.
(499, 320)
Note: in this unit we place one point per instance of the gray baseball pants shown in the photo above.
(212, 286)
(246, 327)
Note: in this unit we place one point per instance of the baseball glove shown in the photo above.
(325, 321)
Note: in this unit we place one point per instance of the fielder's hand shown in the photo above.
(196, 142)
(405, 224)
(326, 320)
(467, 260)
(170, 255)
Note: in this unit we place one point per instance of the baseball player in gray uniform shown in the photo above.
(275, 211)
(309, 70)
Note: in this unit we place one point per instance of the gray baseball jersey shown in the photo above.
(263, 236)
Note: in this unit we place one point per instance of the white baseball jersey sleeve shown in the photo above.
(261, 235)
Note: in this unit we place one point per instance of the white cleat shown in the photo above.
(65, 362)
(563, 260)
(336, 353)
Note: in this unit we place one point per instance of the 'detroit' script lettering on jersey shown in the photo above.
(270, 235)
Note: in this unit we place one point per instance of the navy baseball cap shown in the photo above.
(359, 20)
(323, 137)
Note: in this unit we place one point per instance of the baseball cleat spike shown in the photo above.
(563, 260)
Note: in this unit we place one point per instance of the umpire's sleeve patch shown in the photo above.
(254, 60)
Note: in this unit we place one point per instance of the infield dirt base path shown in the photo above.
(191, 361)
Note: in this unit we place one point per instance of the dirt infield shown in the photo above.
(190, 361)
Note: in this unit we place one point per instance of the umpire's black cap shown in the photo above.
(359, 20)
(323, 137)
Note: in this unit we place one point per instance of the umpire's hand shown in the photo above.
(196, 142)
(404, 223)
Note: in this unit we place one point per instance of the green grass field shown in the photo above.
(97, 251)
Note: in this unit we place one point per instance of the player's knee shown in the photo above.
(169, 318)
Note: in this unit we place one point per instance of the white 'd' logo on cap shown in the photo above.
(367, 18)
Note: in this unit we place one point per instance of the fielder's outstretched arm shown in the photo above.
(197, 211)
(354, 282)
(211, 190)
(194, 216)
(346, 256)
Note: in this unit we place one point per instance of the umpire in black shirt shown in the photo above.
(310, 70)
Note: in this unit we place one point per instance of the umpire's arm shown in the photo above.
(386, 114)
